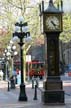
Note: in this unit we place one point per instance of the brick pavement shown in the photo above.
(9, 99)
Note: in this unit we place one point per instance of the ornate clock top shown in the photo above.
(51, 2)
(52, 8)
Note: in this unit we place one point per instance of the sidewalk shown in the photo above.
(9, 99)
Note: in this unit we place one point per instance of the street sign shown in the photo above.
(28, 58)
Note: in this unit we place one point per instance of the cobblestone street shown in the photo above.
(9, 99)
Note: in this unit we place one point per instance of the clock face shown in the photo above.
(53, 23)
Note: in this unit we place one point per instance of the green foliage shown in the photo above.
(66, 34)
(33, 21)
(12, 9)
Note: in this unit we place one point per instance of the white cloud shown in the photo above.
(67, 5)
(34, 2)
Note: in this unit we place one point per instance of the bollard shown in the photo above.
(32, 84)
(35, 93)
(8, 86)
(37, 82)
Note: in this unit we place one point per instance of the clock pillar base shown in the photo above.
(52, 92)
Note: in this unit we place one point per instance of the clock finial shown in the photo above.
(51, 2)
(62, 5)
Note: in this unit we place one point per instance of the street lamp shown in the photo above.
(13, 52)
(6, 58)
(21, 31)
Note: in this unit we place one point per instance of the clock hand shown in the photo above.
(53, 23)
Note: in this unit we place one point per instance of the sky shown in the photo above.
(66, 4)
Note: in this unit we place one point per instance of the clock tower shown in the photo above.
(52, 26)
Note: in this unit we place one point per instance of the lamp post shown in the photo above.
(13, 52)
(6, 57)
(22, 32)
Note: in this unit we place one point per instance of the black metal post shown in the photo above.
(22, 96)
(21, 35)
(35, 93)
(33, 82)
(8, 86)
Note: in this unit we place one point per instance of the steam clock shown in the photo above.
(52, 26)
